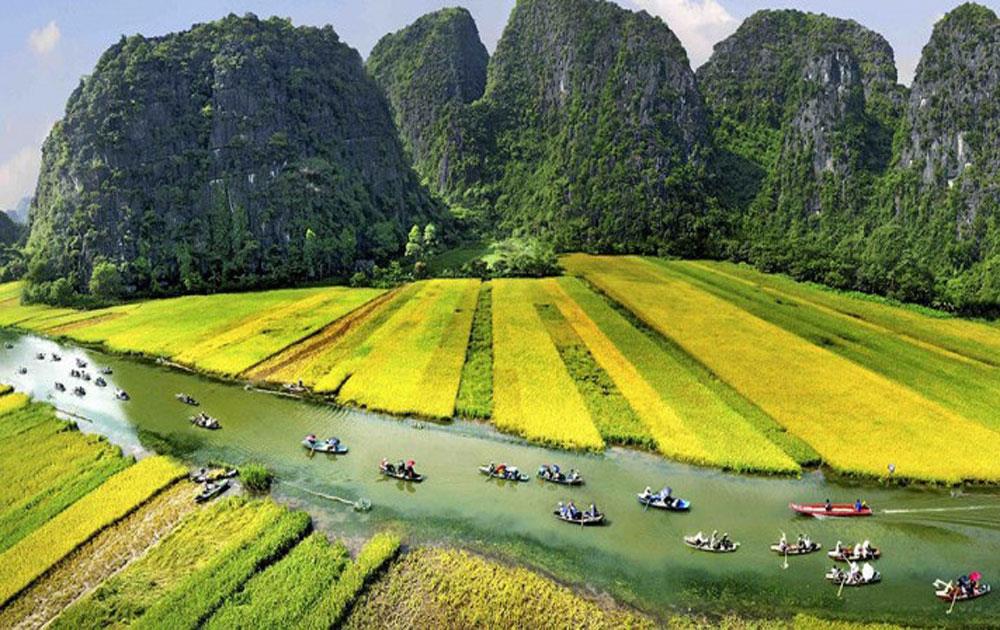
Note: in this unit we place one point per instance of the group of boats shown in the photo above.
(79, 372)
(201, 419)
(213, 484)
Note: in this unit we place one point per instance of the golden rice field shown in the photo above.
(414, 365)
(858, 420)
(533, 394)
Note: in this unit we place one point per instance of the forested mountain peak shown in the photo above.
(428, 70)
(239, 153)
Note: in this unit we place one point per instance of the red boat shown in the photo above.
(840, 510)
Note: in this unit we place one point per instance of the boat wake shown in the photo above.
(963, 508)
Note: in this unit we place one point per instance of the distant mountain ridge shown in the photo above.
(793, 148)
(19, 213)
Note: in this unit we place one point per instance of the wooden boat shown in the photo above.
(204, 476)
(946, 592)
(85, 376)
(121, 394)
(187, 400)
(867, 576)
(692, 542)
(40, 356)
(205, 421)
(547, 473)
(323, 446)
(56, 357)
(837, 510)
(796, 550)
(520, 476)
(584, 519)
(22, 370)
(60, 387)
(9, 346)
(401, 475)
(853, 554)
(106, 371)
(100, 382)
(80, 363)
(79, 391)
(211, 491)
(671, 504)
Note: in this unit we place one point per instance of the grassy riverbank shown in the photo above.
(707, 363)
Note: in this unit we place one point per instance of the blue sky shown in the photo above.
(47, 45)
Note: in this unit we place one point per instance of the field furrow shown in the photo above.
(114, 499)
(533, 394)
(475, 391)
(859, 421)
(416, 366)
(101, 557)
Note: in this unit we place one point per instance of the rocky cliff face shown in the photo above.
(952, 120)
(806, 103)
(591, 130)
(429, 70)
(239, 153)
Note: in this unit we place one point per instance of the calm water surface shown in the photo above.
(638, 557)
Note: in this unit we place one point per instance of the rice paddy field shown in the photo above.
(703, 362)
(855, 416)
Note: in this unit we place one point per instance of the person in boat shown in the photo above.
(699, 539)
(562, 509)
(311, 440)
(866, 549)
(839, 548)
(513, 473)
(800, 542)
(386, 466)
(783, 543)
(500, 470)
(555, 469)
(592, 511)
(333, 442)
(828, 506)
(543, 470)
(572, 511)
(573, 475)
(647, 494)
(858, 505)
(854, 573)
(724, 542)
(713, 540)
(410, 472)
(805, 542)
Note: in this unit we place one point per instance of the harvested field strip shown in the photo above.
(440, 588)
(965, 386)
(48, 466)
(820, 396)
(687, 418)
(976, 340)
(333, 605)
(296, 358)
(609, 410)
(326, 370)
(117, 497)
(534, 396)
(417, 363)
(98, 559)
(283, 594)
(66, 325)
(199, 543)
(200, 594)
(272, 330)
(475, 392)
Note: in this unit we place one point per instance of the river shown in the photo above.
(638, 557)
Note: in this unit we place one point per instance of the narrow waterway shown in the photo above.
(638, 556)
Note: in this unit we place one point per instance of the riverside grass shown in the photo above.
(416, 366)
(475, 391)
(283, 594)
(533, 394)
(50, 543)
(440, 588)
(98, 559)
(958, 381)
(688, 421)
(825, 399)
(48, 465)
(331, 607)
(201, 542)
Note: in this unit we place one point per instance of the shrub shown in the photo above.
(256, 477)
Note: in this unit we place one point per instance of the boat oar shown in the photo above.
(954, 598)
(785, 566)
(841, 589)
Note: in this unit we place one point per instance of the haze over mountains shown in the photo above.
(250, 152)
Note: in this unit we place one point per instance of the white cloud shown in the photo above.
(699, 24)
(43, 40)
(18, 176)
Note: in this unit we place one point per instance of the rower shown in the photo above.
(647, 494)
(858, 505)
(783, 542)
(828, 506)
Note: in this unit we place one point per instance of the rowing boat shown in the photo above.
(796, 550)
(704, 545)
(671, 504)
(519, 476)
(325, 447)
(583, 520)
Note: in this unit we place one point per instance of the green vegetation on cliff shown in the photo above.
(240, 153)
